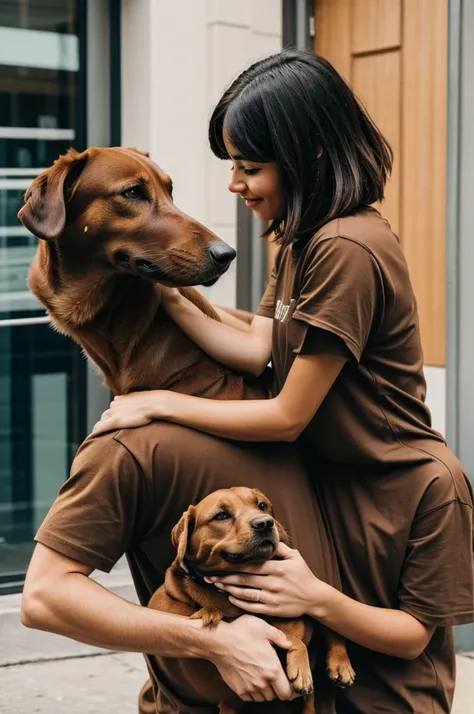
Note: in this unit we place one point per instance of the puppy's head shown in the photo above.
(114, 208)
(227, 530)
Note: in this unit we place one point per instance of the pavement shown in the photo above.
(42, 673)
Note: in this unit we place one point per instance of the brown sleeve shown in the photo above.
(94, 516)
(342, 292)
(267, 303)
(322, 342)
(436, 584)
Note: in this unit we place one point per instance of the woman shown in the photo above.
(338, 321)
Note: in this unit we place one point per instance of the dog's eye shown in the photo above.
(221, 516)
(262, 505)
(134, 193)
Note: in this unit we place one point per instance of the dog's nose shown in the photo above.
(221, 253)
(264, 523)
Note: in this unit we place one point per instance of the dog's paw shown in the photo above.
(300, 679)
(340, 672)
(210, 616)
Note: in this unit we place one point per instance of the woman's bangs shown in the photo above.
(246, 126)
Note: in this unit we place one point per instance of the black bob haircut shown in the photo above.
(294, 109)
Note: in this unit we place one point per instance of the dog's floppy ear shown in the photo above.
(44, 212)
(181, 533)
(138, 151)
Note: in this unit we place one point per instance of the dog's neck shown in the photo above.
(193, 573)
(117, 320)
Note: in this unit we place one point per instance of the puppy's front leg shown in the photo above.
(210, 616)
(298, 669)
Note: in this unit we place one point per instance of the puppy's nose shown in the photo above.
(221, 253)
(264, 523)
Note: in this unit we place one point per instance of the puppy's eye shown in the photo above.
(134, 193)
(262, 505)
(221, 516)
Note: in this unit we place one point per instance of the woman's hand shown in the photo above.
(132, 410)
(281, 588)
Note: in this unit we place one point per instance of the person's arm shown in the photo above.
(245, 350)
(288, 588)
(280, 419)
(59, 597)
(238, 319)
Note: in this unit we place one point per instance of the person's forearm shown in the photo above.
(235, 348)
(233, 320)
(390, 632)
(246, 420)
(77, 607)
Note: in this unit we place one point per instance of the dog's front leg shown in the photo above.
(298, 669)
(210, 616)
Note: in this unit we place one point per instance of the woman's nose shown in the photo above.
(236, 185)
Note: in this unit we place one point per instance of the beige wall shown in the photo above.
(177, 57)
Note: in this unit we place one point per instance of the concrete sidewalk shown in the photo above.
(109, 684)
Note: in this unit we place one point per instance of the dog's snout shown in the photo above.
(264, 523)
(221, 253)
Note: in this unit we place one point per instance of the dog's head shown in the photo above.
(228, 530)
(114, 207)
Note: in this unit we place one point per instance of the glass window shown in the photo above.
(42, 373)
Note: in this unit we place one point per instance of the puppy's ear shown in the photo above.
(181, 533)
(44, 212)
(283, 535)
(143, 153)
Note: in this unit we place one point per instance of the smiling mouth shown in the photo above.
(252, 202)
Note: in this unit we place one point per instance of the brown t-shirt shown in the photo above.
(127, 490)
(397, 501)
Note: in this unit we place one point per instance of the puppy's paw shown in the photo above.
(210, 616)
(300, 678)
(340, 672)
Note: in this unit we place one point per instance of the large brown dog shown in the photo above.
(110, 234)
(110, 237)
(225, 532)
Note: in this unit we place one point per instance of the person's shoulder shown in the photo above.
(367, 228)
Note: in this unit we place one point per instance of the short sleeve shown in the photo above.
(437, 585)
(94, 516)
(342, 292)
(267, 303)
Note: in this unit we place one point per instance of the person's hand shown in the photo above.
(244, 654)
(281, 588)
(131, 410)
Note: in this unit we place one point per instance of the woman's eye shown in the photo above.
(262, 506)
(221, 516)
(251, 172)
(134, 193)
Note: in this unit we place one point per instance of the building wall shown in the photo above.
(177, 58)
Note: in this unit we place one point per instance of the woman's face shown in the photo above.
(258, 184)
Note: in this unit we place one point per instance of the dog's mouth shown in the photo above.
(154, 273)
(259, 552)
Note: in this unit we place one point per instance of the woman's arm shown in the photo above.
(288, 588)
(280, 419)
(243, 348)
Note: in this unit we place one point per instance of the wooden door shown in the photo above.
(394, 53)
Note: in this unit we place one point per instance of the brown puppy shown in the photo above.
(109, 235)
(225, 532)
